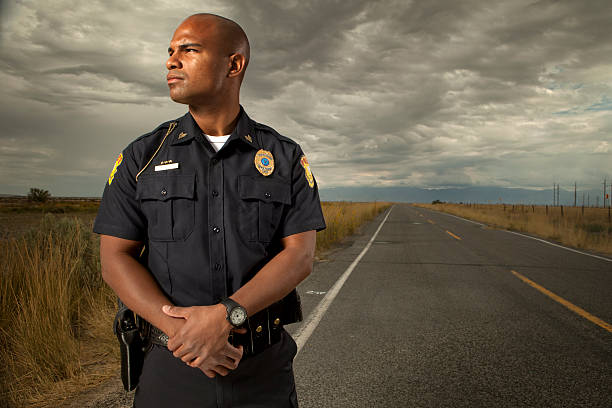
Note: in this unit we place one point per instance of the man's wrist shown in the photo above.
(236, 314)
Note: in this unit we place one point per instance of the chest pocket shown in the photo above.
(168, 204)
(263, 202)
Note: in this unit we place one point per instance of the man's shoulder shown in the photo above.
(269, 132)
(155, 134)
(144, 144)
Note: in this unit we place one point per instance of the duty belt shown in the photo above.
(263, 330)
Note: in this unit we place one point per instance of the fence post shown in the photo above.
(561, 211)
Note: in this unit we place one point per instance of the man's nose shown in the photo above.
(173, 62)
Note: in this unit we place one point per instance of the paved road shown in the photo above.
(428, 319)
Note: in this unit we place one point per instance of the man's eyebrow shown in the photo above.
(183, 46)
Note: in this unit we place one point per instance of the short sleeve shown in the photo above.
(119, 214)
(305, 212)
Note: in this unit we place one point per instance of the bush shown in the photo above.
(38, 195)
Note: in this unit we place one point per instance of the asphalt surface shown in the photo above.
(431, 320)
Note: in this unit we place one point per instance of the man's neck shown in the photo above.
(217, 120)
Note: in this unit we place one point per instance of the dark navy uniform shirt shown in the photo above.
(209, 220)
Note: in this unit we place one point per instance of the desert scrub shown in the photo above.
(344, 218)
(49, 277)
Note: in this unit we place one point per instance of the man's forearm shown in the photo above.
(135, 286)
(279, 276)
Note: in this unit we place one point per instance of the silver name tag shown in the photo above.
(162, 167)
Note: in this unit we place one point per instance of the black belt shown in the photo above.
(263, 330)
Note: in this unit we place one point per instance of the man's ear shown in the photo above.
(237, 65)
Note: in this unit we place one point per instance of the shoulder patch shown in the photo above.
(307, 172)
(114, 170)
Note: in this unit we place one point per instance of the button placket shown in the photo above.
(217, 232)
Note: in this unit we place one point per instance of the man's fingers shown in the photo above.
(232, 352)
(209, 373)
(176, 311)
(188, 358)
(240, 331)
(221, 370)
(182, 351)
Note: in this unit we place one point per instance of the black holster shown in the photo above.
(132, 345)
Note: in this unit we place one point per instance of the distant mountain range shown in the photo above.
(456, 195)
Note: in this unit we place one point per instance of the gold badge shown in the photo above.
(264, 162)
(117, 163)
(249, 138)
(307, 172)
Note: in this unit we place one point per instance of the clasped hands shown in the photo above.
(202, 339)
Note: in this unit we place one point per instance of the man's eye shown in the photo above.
(189, 49)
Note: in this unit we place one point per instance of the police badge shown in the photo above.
(264, 162)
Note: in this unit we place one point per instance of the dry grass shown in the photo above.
(56, 312)
(50, 296)
(577, 227)
(343, 219)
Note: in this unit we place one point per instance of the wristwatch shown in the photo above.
(236, 314)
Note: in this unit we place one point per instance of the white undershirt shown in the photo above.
(217, 141)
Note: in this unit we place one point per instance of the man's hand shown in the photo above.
(202, 341)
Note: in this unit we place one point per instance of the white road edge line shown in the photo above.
(537, 239)
(305, 331)
(561, 246)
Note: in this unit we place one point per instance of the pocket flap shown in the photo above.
(264, 190)
(165, 187)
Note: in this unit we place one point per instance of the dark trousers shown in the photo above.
(264, 380)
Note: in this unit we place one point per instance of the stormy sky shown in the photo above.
(379, 93)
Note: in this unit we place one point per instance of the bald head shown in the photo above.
(232, 37)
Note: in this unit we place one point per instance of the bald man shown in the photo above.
(208, 224)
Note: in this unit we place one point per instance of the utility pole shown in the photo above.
(604, 195)
(574, 193)
(558, 196)
(554, 194)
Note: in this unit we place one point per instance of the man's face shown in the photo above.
(196, 64)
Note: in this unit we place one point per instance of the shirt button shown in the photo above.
(215, 193)
(164, 192)
(268, 195)
(218, 267)
(216, 230)
(215, 161)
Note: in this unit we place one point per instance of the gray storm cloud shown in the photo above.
(421, 93)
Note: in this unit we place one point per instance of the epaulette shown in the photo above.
(163, 126)
(266, 128)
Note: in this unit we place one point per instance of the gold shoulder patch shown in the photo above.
(117, 163)
(307, 172)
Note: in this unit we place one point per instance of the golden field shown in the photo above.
(55, 310)
(585, 228)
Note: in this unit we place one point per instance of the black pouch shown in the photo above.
(131, 345)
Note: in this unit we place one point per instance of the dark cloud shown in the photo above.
(422, 93)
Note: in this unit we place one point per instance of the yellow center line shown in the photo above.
(430, 221)
(570, 306)
(453, 235)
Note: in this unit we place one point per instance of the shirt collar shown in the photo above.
(244, 132)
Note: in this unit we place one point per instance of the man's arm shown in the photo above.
(207, 325)
(281, 275)
(133, 283)
(136, 287)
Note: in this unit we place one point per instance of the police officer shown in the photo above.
(207, 225)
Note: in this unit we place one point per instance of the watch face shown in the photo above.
(238, 316)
